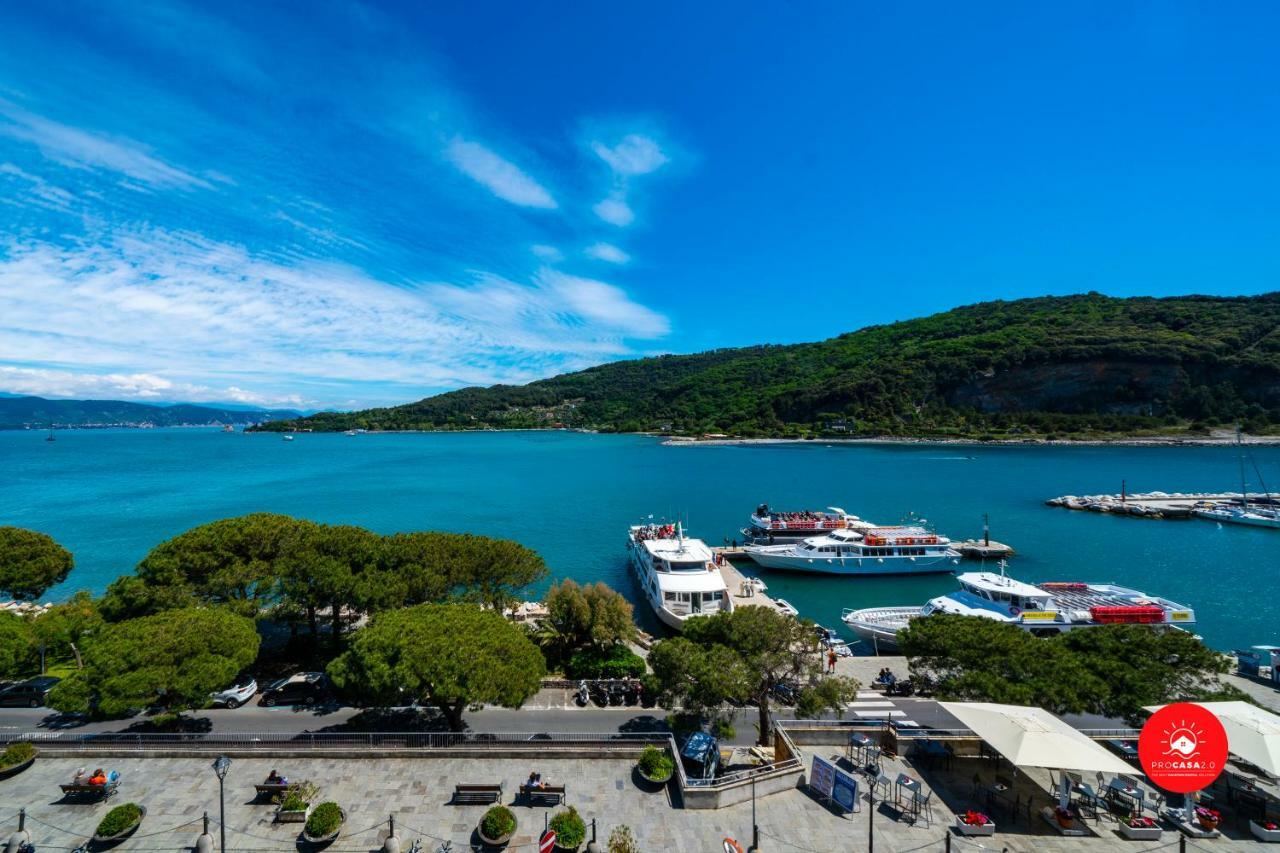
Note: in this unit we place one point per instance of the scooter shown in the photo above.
(617, 693)
(599, 693)
(583, 695)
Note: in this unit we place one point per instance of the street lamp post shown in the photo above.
(220, 766)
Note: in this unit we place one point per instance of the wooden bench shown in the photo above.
(553, 794)
(84, 789)
(477, 794)
(270, 789)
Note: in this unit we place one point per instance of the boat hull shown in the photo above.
(673, 621)
(856, 565)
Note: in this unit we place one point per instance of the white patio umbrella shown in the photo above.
(1252, 732)
(1032, 737)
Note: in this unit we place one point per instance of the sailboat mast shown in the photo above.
(1244, 491)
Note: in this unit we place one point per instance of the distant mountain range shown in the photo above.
(40, 413)
(1070, 366)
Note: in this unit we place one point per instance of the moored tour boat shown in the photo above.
(1043, 609)
(679, 575)
(902, 550)
(772, 525)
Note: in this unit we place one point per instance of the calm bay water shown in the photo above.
(111, 495)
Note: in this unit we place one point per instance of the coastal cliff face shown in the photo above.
(1080, 363)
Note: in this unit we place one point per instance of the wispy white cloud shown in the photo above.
(607, 252)
(550, 254)
(634, 154)
(36, 190)
(77, 148)
(603, 303)
(150, 308)
(501, 177)
(615, 211)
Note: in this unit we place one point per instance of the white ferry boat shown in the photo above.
(902, 550)
(772, 525)
(679, 575)
(1043, 609)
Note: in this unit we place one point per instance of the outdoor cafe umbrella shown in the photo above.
(1253, 734)
(1032, 737)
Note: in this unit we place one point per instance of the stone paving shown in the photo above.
(177, 791)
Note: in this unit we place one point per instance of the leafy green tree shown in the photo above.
(742, 656)
(173, 659)
(580, 616)
(61, 629)
(1141, 667)
(30, 563)
(335, 567)
(1113, 670)
(452, 655)
(17, 656)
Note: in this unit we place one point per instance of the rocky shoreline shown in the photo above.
(1217, 439)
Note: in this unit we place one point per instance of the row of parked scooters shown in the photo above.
(609, 691)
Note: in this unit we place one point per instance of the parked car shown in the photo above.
(303, 688)
(28, 694)
(237, 694)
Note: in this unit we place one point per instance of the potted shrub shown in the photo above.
(974, 823)
(118, 823)
(570, 829)
(294, 805)
(16, 758)
(1140, 828)
(1265, 830)
(655, 765)
(1208, 818)
(497, 826)
(323, 824)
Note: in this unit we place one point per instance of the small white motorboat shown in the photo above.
(784, 606)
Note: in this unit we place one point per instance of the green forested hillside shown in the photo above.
(1076, 364)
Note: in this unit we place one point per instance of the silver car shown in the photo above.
(237, 694)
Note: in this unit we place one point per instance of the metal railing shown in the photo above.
(267, 741)
(934, 731)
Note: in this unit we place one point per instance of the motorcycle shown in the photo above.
(583, 695)
(635, 692)
(599, 693)
(617, 693)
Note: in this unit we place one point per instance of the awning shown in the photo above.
(1253, 733)
(1032, 737)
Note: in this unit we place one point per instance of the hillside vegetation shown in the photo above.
(1074, 365)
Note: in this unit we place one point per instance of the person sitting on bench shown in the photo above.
(99, 777)
(78, 779)
(535, 781)
(275, 778)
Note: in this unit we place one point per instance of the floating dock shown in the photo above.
(1176, 505)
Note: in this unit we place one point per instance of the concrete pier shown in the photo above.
(740, 593)
(1175, 505)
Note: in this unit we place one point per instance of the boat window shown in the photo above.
(687, 566)
(668, 596)
(684, 596)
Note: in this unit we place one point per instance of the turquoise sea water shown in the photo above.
(111, 495)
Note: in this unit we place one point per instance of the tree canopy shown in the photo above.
(63, 627)
(741, 656)
(173, 660)
(450, 655)
(30, 563)
(296, 568)
(1113, 670)
(580, 616)
(16, 652)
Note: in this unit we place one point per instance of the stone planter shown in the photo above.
(654, 783)
(107, 840)
(1140, 833)
(17, 768)
(1261, 833)
(293, 816)
(316, 842)
(973, 829)
(493, 842)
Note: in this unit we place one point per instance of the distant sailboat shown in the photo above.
(288, 438)
(50, 437)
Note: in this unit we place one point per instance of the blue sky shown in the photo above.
(342, 204)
